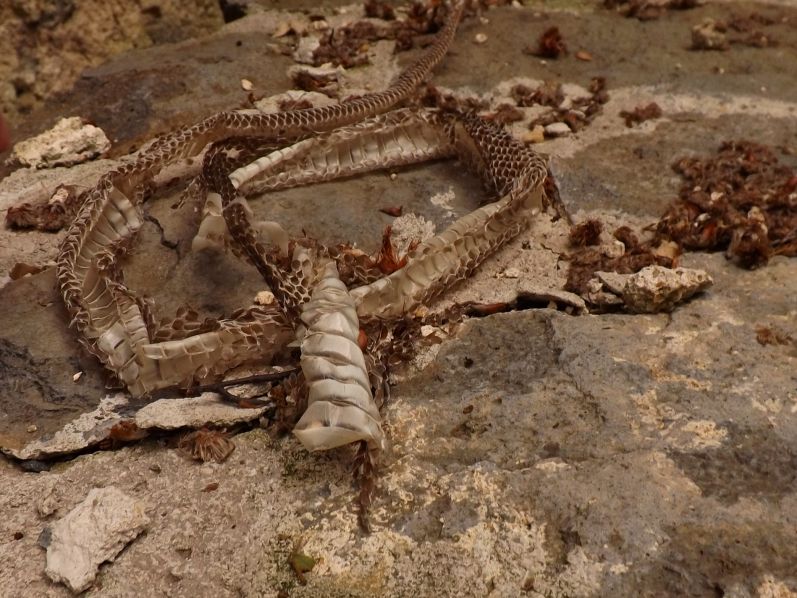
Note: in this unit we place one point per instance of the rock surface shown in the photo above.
(193, 412)
(534, 454)
(69, 142)
(85, 33)
(94, 532)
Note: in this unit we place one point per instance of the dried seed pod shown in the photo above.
(206, 445)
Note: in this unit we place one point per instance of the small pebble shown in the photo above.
(480, 38)
(264, 298)
(427, 330)
(76, 377)
(32, 428)
(246, 85)
(557, 130)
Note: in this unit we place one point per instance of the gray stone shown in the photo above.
(88, 429)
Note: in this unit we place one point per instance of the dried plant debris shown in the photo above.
(713, 34)
(742, 200)
(289, 104)
(768, 335)
(348, 44)
(646, 10)
(627, 255)
(206, 445)
(323, 79)
(656, 289)
(51, 215)
(586, 233)
(709, 35)
(505, 114)
(433, 97)
(575, 112)
(640, 114)
(379, 10)
(749, 26)
(550, 45)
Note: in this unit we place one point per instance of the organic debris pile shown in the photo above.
(627, 256)
(348, 45)
(550, 45)
(576, 113)
(646, 10)
(640, 114)
(741, 200)
(713, 34)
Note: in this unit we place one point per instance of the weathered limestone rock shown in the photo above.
(93, 532)
(194, 412)
(655, 288)
(70, 141)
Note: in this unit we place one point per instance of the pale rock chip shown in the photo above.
(557, 130)
(71, 141)
(655, 288)
(93, 532)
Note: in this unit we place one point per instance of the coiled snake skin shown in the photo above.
(324, 295)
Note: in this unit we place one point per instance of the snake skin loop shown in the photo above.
(111, 322)
(340, 407)
(509, 167)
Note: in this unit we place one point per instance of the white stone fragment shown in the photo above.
(655, 288)
(557, 130)
(246, 85)
(614, 249)
(611, 281)
(305, 48)
(193, 412)
(480, 38)
(574, 91)
(93, 532)
(70, 141)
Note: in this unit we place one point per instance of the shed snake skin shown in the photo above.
(324, 295)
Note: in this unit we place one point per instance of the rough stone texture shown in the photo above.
(86, 430)
(538, 453)
(193, 412)
(92, 533)
(655, 289)
(70, 141)
(85, 33)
